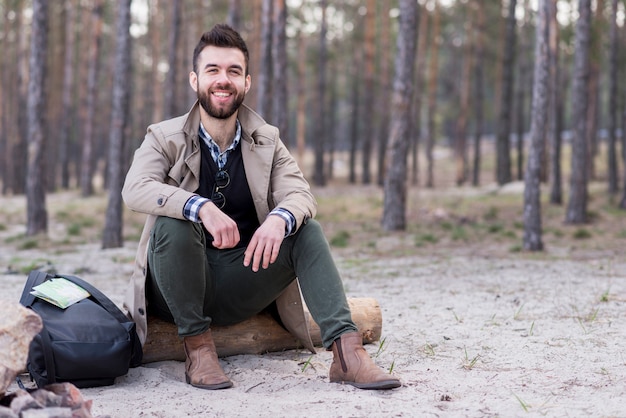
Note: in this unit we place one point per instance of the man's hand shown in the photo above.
(265, 243)
(222, 227)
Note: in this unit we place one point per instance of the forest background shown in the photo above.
(81, 80)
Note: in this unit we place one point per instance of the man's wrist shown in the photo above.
(290, 220)
(191, 210)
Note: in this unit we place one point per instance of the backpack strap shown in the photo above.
(99, 297)
(36, 277)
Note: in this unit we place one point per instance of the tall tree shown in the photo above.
(433, 71)
(613, 92)
(68, 98)
(594, 84)
(170, 88)
(369, 49)
(522, 82)
(394, 210)
(577, 206)
(555, 116)
(503, 148)
(112, 234)
(155, 18)
(460, 143)
(319, 177)
(264, 83)
(538, 123)
(234, 14)
(420, 65)
(279, 54)
(479, 93)
(301, 94)
(87, 171)
(382, 102)
(355, 102)
(36, 214)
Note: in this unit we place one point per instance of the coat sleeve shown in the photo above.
(153, 182)
(288, 187)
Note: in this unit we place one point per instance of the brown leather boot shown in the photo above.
(202, 367)
(352, 365)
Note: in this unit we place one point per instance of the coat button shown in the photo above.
(160, 201)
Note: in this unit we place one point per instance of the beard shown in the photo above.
(219, 112)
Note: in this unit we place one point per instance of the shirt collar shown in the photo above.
(212, 145)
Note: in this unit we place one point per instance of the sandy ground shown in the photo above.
(469, 336)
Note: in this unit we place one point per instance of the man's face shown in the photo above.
(221, 82)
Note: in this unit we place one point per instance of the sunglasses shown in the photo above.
(222, 179)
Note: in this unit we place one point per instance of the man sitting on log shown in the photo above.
(230, 227)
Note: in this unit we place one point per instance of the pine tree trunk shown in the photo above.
(264, 83)
(382, 104)
(234, 14)
(170, 87)
(503, 150)
(532, 177)
(433, 70)
(67, 121)
(479, 93)
(112, 234)
(37, 217)
(394, 206)
(577, 206)
(319, 177)
(418, 95)
(280, 102)
(87, 161)
(369, 48)
(461, 123)
(555, 110)
(613, 92)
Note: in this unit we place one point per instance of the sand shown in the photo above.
(469, 336)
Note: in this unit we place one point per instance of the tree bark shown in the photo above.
(369, 48)
(264, 84)
(170, 87)
(577, 206)
(613, 92)
(319, 176)
(460, 151)
(382, 104)
(555, 110)
(416, 129)
(479, 93)
(532, 177)
(503, 150)
(433, 69)
(234, 14)
(280, 102)
(112, 234)
(68, 83)
(87, 161)
(37, 216)
(394, 205)
(257, 335)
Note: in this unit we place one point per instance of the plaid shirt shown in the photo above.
(192, 207)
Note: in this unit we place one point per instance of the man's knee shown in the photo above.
(176, 232)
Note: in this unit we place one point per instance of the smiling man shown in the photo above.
(230, 229)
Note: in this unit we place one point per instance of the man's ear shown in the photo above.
(193, 81)
(248, 82)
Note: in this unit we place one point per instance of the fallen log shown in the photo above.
(257, 335)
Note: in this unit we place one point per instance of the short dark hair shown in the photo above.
(222, 36)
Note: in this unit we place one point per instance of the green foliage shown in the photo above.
(340, 239)
(581, 233)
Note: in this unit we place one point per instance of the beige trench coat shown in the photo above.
(165, 172)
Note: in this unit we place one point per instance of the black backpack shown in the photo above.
(88, 344)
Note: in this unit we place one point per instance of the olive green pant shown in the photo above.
(195, 286)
